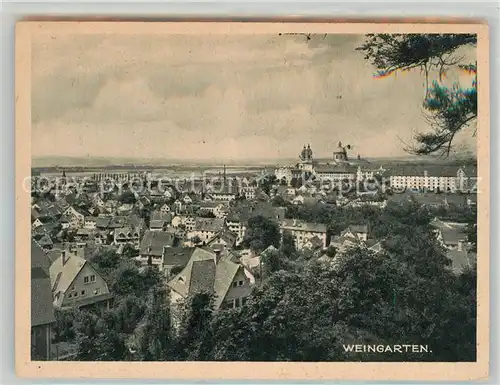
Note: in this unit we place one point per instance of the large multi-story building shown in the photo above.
(339, 169)
(430, 179)
(303, 232)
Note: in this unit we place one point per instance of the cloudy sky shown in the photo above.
(217, 97)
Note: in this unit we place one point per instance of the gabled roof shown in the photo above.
(177, 256)
(42, 311)
(205, 275)
(45, 241)
(157, 223)
(153, 242)
(103, 222)
(62, 276)
(209, 224)
(452, 236)
(293, 224)
(225, 235)
(358, 228)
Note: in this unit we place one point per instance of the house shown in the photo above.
(356, 231)
(36, 223)
(212, 271)
(152, 245)
(90, 222)
(226, 194)
(76, 218)
(103, 221)
(127, 236)
(84, 235)
(214, 207)
(65, 222)
(165, 209)
(158, 225)
(248, 192)
(452, 239)
(46, 242)
(42, 311)
(303, 231)
(175, 257)
(298, 200)
(206, 228)
(187, 199)
(125, 209)
(314, 243)
(75, 283)
(225, 239)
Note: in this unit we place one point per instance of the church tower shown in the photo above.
(306, 159)
(340, 154)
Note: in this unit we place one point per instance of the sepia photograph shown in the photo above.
(233, 194)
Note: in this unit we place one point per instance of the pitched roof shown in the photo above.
(432, 170)
(202, 276)
(156, 223)
(42, 311)
(156, 215)
(62, 276)
(452, 236)
(358, 228)
(337, 169)
(103, 222)
(209, 224)
(153, 242)
(293, 224)
(460, 259)
(45, 241)
(221, 275)
(225, 235)
(177, 256)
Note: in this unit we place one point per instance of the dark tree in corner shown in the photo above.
(448, 110)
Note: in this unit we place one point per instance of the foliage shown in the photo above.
(127, 197)
(288, 245)
(448, 110)
(64, 326)
(97, 338)
(155, 334)
(194, 339)
(262, 233)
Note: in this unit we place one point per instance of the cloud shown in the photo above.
(216, 96)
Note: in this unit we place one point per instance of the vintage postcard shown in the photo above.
(254, 201)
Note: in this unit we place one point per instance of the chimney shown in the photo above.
(218, 253)
(64, 257)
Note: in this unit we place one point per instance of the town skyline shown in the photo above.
(241, 98)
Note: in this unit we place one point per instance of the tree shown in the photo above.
(127, 197)
(288, 244)
(262, 233)
(194, 339)
(155, 334)
(97, 338)
(447, 110)
(64, 326)
(196, 240)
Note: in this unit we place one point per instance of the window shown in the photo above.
(97, 291)
(86, 279)
(235, 284)
(236, 302)
(69, 295)
(92, 278)
(240, 283)
(83, 292)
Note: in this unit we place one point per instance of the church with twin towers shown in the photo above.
(337, 168)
